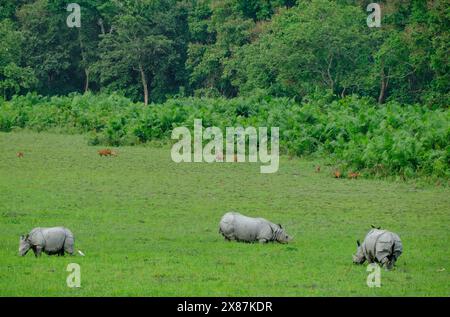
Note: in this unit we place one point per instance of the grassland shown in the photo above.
(149, 227)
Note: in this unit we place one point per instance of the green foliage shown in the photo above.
(50, 48)
(225, 29)
(13, 77)
(318, 45)
(354, 133)
(151, 50)
(143, 49)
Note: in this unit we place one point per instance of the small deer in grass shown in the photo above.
(353, 175)
(19, 154)
(337, 174)
(107, 152)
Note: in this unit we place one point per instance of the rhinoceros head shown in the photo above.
(359, 257)
(24, 245)
(281, 236)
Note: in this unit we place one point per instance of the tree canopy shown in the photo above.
(150, 50)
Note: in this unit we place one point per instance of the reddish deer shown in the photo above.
(353, 175)
(105, 152)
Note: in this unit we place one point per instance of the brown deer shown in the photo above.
(353, 175)
(318, 169)
(337, 174)
(105, 152)
(19, 154)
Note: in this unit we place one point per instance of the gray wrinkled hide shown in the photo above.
(56, 240)
(234, 226)
(380, 246)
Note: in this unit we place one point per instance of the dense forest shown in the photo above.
(151, 50)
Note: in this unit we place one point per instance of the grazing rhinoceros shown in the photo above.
(234, 226)
(56, 240)
(380, 246)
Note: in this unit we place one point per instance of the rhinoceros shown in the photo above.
(56, 240)
(234, 226)
(379, 246)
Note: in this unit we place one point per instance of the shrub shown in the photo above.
(354, 133)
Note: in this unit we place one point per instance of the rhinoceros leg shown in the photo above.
(231, 237)
(37, 251)
(390, 265)
(387, 263)
(69, 244)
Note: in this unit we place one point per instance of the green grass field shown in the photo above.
(149, 227)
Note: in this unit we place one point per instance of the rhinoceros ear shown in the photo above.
(358, 243)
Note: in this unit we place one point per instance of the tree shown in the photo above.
(49, 47)
(151, 49)
(225, 30)
(142, 43)
(316, 45)
(13, 77)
